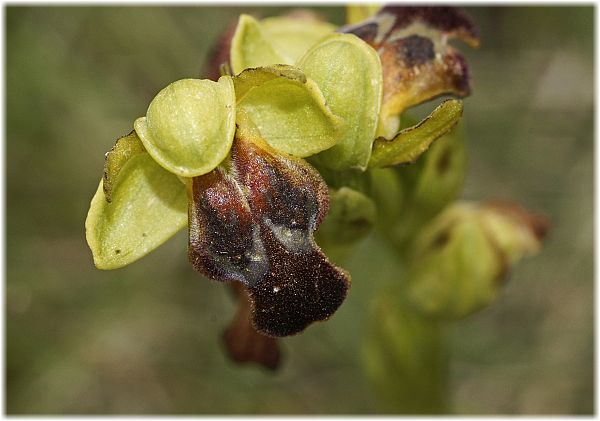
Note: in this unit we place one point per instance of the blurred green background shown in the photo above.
(146, 339)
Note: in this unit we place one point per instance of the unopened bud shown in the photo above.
(351, 217)
(461, 258)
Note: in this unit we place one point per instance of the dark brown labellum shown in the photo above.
(252, 221)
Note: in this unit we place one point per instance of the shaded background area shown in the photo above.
(147, 338)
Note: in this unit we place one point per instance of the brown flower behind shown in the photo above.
(417, 62)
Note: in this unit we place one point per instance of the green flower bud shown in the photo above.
(351, 217)
(460, 259)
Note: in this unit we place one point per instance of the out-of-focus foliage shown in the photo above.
(147, 338)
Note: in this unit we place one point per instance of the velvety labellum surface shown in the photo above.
(252, 221)
(243, 343)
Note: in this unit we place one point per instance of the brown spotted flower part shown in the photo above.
(252, 221)
(243, 343)
(418, 63)
(535, 222)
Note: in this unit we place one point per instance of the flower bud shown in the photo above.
(351, 217)
(460, 259)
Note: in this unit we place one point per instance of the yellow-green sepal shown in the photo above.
(356, 13)
(189, 125)
(149, 205)
(289, 110)
(412, 142)
(276, 40)
(251, 47)
(291, 37)
(348, 71)
(125, 148)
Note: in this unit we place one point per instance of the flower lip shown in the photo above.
(253, 222)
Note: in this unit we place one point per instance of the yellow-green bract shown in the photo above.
(348, 71)
(189, 126)
(148, 206)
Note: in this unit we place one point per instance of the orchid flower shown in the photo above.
(301, 115)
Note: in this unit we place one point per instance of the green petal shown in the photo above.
(410, 143)
(149, 205)
(291, 37)
(189, 125)
(125, 148)
(250, 46)
(291, 115)
(348, 72)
